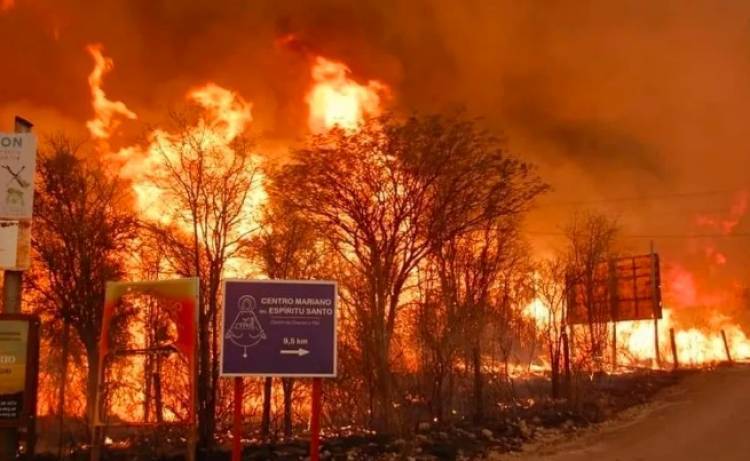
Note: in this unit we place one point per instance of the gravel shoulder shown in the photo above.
(705, 417)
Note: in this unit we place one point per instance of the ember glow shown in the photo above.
(337, 100)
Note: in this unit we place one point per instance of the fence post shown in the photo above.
(726, 346)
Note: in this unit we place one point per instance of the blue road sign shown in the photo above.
(279, 328)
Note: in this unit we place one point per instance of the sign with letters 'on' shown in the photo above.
(279, 328)
(17, 166)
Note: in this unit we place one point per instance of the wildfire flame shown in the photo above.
(337, 100)
(695, 346)
(635, 339)
(222, 116)
(728, 222)
(6, 5)
(225, 116)
(105, 122)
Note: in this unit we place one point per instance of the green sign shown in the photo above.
(14, 338)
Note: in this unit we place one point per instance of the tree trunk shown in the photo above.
(265, 424)
(476, 355)
(92, 356)
(148, 380)
(437, 397)
(383, 380)
(214, 315)
(205, 409)
(288, 386)
(566, 340)
(63, 383)
(451, 388)
(158, 401)
(555, 372)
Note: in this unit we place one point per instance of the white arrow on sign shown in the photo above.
(300, 352)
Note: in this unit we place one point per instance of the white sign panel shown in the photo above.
(17, 166)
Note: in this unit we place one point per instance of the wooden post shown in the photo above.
(12, 284)
(237, 427)
(657, 357)
(614, 346)
(63, 382)
(315, 421)
(675, 359)
(726, 346)
(572, 342)
(614, 306)
(192, 438)
(655, 301)
(566, 362)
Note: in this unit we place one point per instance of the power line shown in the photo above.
(657, 236)
(676, 195)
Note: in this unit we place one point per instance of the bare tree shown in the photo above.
(591, 245)
(549, 314)
(477, 271)
(207, 184)
(286, 247)
(83, 228)
(437, 327)
(388, 194)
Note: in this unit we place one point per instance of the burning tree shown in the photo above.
(206, 182)
(548, 312)
(286, 247)
(477, 274)
(388, 194)
(591, 244)
(84, 228)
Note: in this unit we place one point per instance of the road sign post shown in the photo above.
(280, 328)
(315, 420)
(237, 427)
(19, 368)
(18, 160)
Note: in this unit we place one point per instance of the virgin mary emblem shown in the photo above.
(246, 330)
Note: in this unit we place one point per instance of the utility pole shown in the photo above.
(655, 300)
(12, 305)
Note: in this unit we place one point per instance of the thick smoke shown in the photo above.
(611, 99)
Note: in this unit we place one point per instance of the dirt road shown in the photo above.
(704, 418)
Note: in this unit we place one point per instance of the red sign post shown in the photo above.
(315, 421)
(237, 427)
(279, 328)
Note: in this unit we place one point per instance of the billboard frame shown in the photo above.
(608, 286)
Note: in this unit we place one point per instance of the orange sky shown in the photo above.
(611, 99)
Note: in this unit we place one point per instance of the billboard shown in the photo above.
(622, 289)
(279, 328)
(19, 347)
(176, 311)
(17, 167)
